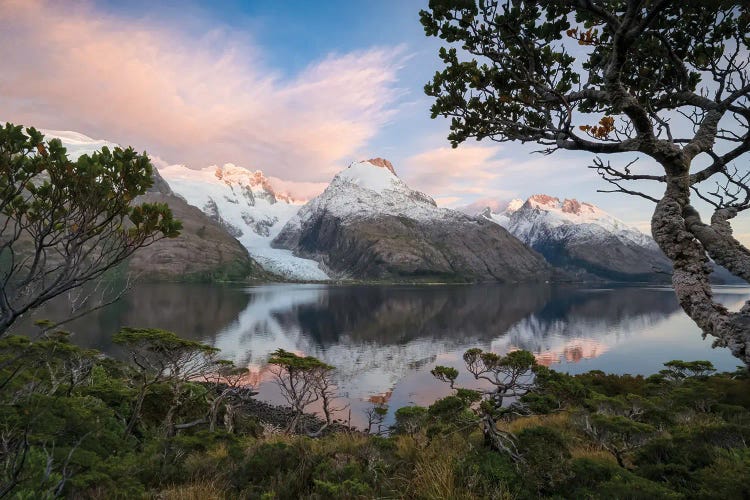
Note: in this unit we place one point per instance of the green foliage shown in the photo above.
(677, 370)
(157, 341)
(409, 420)
(546, 458)
(648, 443)
(292, 362)
(445, 373)
(68, 222)
(488, 474)
(514, 74)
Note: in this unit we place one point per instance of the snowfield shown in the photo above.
(543, 216)
(244, 203)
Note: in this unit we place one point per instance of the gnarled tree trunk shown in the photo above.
(677, 229)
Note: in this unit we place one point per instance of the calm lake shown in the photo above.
(384, 340)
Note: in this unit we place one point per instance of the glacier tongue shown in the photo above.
(245, 201)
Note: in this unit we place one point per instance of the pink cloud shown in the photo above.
(457, 174)
(196, 99)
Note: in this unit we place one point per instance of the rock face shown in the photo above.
(205, 249)
(368, 224)
(584, 240)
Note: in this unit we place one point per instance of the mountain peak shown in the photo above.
(513, 205)
(382, 163)
(568, 207)
(376, 175)
(576, 207)
(543, 200)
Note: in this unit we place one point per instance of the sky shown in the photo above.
(297, 89)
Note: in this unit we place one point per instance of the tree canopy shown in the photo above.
(666, 79)
(64, 223)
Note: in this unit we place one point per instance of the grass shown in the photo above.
(203, 490)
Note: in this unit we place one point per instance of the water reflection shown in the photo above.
(385, 339)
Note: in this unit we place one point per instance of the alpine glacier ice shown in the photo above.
(242, 201)
(248, 206)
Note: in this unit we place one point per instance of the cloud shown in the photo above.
(298, 190)
(495, 204)
(454, 173)
(475, 173)
(194, 98)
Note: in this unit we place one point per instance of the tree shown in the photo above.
(65, 223)
(229, 389)
(664, 78)
(617, 434)
(161, 357)
(375, 417)
(678, 370)
(303, 380)
(509, 376)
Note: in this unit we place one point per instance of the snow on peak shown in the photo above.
(231, 174)
(542, 213)
(77, 144)
(572, 210)
(383, 163)
(513, 205)
(376, 175)
(367, 189)
(543, 200)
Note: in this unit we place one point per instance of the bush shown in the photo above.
(546, 458)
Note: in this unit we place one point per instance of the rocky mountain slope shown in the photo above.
(583, 239)
(368, 224)
(204, 251)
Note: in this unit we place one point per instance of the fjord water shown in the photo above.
(384, 340)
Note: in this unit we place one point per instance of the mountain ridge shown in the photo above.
(369, 224)
(584, 240)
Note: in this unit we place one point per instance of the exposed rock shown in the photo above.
(204, 251)
(383, 163)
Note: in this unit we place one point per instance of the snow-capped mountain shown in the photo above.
(78, 144)
(583, 239)
(369, 224)
(248, 206)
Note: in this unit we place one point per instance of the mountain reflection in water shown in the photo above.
(383, 340)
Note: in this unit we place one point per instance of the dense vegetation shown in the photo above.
(174, 421)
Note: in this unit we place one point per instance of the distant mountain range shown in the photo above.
(586, 242)
(583, 239)
(369, 225)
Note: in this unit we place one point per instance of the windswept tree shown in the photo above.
(161, 357)
(666, 79)
(304, 380)
(507, 378)
(229, 389)
(65, 223)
